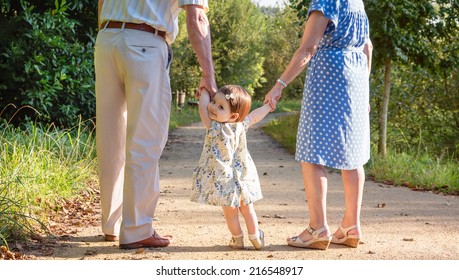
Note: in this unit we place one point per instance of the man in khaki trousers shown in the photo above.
(133, 99)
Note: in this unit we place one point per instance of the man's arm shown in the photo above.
(199, 34)
(99, 8)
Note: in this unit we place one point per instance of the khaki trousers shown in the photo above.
(133, 99)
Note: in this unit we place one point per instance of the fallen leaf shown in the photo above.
(408, 239)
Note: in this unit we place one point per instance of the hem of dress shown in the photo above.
(335, 167)
(220, 205)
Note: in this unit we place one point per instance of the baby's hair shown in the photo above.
(240, 100)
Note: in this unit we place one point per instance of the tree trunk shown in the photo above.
(384, 110)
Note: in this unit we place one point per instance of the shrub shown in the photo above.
(45, 65)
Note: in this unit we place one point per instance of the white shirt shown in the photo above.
(161, 14)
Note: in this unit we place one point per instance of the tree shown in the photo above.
(282, 39)
(238, 29)
(185, 72)
(406, 32)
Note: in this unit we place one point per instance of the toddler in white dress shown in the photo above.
(226, 174)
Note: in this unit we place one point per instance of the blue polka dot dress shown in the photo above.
(334, 128)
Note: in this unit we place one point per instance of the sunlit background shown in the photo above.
(271, 3)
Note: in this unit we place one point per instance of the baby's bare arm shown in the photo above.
(259, 113)
(204, 100)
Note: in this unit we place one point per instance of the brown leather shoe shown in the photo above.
(153, 241)
(112, 238)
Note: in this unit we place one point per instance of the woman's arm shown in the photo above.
(313, 32)
(204, 100)
(368, 50)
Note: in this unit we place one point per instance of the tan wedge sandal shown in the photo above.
(316, 242)
(351, 240)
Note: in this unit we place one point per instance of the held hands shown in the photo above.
(209, 85)
(272, 97)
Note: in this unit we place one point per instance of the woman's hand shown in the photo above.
(273, 96)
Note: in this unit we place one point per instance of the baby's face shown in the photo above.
(219, 108)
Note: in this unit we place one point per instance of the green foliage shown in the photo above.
(238, 30)
(281, 41)
(40, 166)
(416, 171)
(423, 112)
(183, 116)
(408, 30)
(185, 73)
(15, 220)
(46, 67)
(283, 130)
(237, 47)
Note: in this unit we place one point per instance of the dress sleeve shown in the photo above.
(329, 8)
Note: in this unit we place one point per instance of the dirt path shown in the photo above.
(398, 223)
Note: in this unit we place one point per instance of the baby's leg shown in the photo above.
(256, 236)
(232, 220)
(250, 217)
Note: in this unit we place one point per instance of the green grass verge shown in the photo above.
(39, 167)
(183, 116)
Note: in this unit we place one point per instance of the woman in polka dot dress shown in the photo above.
(334, 124)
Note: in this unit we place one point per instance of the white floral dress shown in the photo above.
(226, 174)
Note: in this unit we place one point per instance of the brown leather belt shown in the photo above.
(136, 26)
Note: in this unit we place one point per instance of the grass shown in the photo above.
(39, 167)
(414, 169)
(183, 116)
(283, 130)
